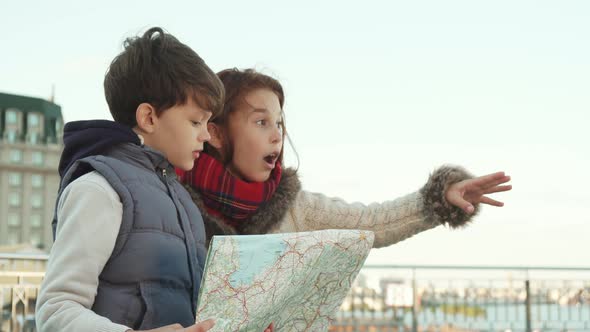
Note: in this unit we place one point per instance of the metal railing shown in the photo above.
(402, 298)
(17, 300)
(468, 298)
(20, 277)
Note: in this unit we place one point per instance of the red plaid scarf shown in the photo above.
(224, 194)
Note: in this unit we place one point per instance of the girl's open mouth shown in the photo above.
(271, 159)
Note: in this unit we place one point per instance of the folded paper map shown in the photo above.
(295, 280)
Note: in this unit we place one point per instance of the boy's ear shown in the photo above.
(216, 136)
(146, 117)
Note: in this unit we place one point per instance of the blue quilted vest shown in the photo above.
(153, 275)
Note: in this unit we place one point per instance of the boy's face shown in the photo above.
(256, 134)
(179, 133)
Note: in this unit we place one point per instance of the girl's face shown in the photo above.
(255, 130)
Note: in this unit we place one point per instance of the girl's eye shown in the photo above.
(195, 123)
(261, 122)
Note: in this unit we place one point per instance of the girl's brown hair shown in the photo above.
(237, 84)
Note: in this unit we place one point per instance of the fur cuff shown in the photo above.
(436, 207)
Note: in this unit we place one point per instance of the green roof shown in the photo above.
(28, 104)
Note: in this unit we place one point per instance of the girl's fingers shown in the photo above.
(496, 182)
(488, 181)
(485, 179)
(497, 189)
(489, 201)
(457, 200)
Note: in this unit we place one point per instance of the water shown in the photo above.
(254, 256)
(513, 316)
(489, 317)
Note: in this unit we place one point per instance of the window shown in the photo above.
(16, 156)
(13, 219)
(37, 180)
(33, 120)
(35, 220)
(58, 126)
(15, 179)
(33, 138)
(37, 158)
(11, 117)
(14, 237)
(14, 199)
(10, 136)
(33, 124)
(36, 201)
(35, 239)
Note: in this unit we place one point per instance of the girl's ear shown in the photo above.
(146, 118)
(216, 140)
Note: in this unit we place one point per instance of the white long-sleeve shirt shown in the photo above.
(89, 213)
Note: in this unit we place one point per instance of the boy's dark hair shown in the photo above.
(237, 83)
(158, 69)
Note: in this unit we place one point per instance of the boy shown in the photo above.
(129, 242)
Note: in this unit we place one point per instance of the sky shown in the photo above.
(378, 94)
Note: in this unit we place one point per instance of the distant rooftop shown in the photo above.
(26, 104)
(20, 109)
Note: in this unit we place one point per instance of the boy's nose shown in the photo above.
(205, 136)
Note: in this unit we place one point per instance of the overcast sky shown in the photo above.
(378, 94)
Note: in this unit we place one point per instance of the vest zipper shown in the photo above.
(190, 263)
(165, 180)
(164, 176)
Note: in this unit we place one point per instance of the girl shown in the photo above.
(240, 187)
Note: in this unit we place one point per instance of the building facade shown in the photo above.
(31, 131)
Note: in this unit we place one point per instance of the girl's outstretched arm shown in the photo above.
(450, 196)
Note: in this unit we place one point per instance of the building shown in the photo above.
(20, 279)
(31, 132)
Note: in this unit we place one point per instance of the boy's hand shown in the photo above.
(200, 327)
(467, 193)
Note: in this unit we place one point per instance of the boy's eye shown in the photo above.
(195, 123)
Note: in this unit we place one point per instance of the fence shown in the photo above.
(401, 298)
(468, 298)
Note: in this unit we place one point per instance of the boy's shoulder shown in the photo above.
(91, 178)
(91, 183)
